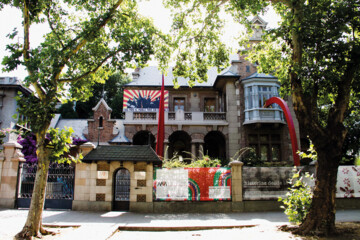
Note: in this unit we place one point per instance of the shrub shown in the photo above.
(177, 162)
(298, 200)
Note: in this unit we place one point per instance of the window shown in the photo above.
(101, 122)
(248, 68)
(179, 103)
(264, 93)
(209, 104)
(256, 96)
(266, 146)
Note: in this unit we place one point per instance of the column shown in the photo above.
(11, 159)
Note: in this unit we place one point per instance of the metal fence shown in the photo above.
(60, 184)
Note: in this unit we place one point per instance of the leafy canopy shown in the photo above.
(87, 42)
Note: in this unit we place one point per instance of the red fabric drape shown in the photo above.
(161, 124)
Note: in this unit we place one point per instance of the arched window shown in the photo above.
(101, 122)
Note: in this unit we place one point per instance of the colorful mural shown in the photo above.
(192, 184)
(144, 99)
(348, 182)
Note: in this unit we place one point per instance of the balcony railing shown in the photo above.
(257, 115)
(179, 116)
(144, 116)
(214, 116)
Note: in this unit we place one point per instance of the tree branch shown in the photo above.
(67, 80)
(337, 112)
(26, 48)
(102, 21)
(52, 28)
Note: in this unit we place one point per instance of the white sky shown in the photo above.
(11, 18)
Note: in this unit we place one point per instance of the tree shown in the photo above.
(87, 42)
(314, 52)
(111, 90)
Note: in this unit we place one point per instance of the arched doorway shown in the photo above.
(180, 144)
(143, 138)
(215, 145)
(121, 200)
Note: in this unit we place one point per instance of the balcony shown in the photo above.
(264, 115)
(179, 117)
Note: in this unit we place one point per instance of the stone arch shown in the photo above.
(144, 138)
(180, 143)
(215, 145)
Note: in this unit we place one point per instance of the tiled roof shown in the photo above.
(135, 153)
(260, 75)
(78, 125)
(152, 77)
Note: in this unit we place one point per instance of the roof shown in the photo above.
(135, 153)
(152, 77)
(120, 137)
(102, 101)
(78, 125)
(13, 82)
(260, 75)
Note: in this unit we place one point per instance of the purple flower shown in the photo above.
(79, 141)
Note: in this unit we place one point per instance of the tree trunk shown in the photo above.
(33, 225)
(321, 218)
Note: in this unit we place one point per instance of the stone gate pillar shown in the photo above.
(236, 185)
(10, 159)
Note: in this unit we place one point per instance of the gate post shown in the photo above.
(10, 159)
(236, 186)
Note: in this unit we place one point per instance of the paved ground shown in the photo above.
(101, 225)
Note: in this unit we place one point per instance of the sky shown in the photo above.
(11, 18)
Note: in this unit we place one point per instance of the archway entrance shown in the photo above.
(121, 194)
(144, 138)
(214, 145)
(180, 144)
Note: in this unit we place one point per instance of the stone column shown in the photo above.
(86, 148)
(193, 151)
(236, 185)
(166, 149)
(10, 159)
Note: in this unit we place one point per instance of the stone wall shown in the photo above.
(10, 158)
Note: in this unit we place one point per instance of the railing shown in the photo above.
(179, 116)
(263, 115)
(60, 182)
(144, 116)
(171, 116)
(214, 116)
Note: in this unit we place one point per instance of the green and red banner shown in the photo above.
(192, 184)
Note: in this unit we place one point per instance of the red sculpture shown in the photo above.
(290, 123)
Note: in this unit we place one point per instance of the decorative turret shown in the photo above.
(258, 27)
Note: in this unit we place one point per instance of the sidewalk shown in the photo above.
(100, 225)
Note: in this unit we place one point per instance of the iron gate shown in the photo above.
(59, 188)
(121, 190)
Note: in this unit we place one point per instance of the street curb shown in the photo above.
(181, 228)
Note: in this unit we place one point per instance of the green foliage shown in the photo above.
(178, 162)
(111, 90)
(250, 159)
(67, 111)
(357, 161)
(298, 200)
(59, 142)
(311, 153)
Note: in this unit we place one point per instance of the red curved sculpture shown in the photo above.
(290, 123)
